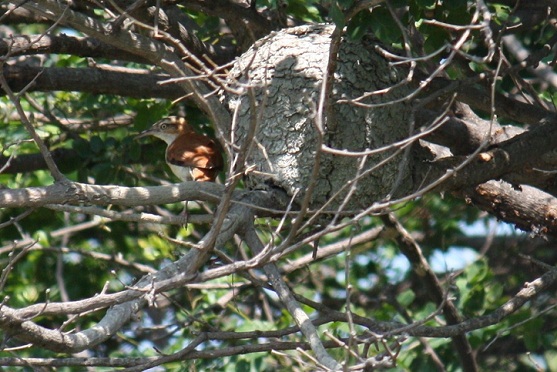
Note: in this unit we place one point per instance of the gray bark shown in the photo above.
(284, 72)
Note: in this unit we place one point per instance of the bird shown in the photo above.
(191, 156)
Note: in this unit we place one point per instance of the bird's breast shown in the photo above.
(183, 173)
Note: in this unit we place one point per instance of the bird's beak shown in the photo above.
(145, 133)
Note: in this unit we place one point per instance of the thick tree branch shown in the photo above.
(99, 80)
(73, 192)
(32, 162)
(69, 160)
(464, 131)
(141, 361)
(116, 317)
(63, 44)
(505, 158)
(518, 205)
(18, 15)
(186, 268)
(505, 107)
(513, 160)
(528, 293)
(526, 207)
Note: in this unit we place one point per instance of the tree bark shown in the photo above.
(283, 75)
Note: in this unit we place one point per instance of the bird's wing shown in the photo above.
(194, 150)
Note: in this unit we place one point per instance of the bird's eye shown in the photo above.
(163, 126)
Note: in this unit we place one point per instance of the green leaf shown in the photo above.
(427, 4)
(384, 26)
(148, 114)
(97, 145)
(29, 294)
(337, 16)
(455, 4)
(82, 147)
(345, 4)
(359, 25)
(103, 173)
(532, 332)
(477, 271)
(435, 39)
(406, 298)
(42, 238)
(551, 359)
(304, 11)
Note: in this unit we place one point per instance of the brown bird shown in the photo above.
(190, 155)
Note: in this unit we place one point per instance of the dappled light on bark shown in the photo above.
(285, 74)
(387, 198)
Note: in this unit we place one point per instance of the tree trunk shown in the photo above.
(284, 74)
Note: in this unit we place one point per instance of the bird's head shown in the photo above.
(167, 129)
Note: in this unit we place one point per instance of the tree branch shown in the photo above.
(286, 297)
(464, 132)
(63, 44)
(506, 157)
(186, 355)
(16, 100)
(177, 23)
(505, 107)
(100, 80)
(180, 271)
(74, 192)
(526, 207)
(153, 51)
(410, 248)
(246, 24)
(530, 291)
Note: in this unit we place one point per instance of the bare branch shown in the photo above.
(506, 157)
(144, 47)
(282, 290)
(410, 248)
(73, 192)
(98, 80)
(63, 44)
(530, 209)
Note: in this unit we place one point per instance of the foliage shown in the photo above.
(380, 286)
